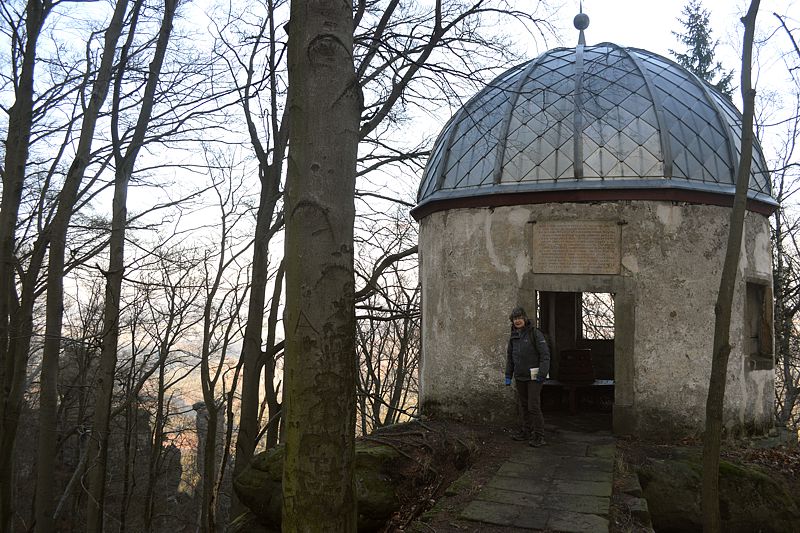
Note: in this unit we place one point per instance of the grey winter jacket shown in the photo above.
(524, 354)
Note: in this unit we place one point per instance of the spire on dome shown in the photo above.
(581, 22)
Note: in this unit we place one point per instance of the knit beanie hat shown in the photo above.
(517, 313)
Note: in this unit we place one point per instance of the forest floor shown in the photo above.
(436, 507)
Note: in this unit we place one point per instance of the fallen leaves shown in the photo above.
(784, 459)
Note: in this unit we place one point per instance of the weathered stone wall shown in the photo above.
(476, 265)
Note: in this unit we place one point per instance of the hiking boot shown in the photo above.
(520, 436)
(537, 441)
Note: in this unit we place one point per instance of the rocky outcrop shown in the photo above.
(389, 463)
(750, 499)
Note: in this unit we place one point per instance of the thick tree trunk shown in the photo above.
(728, 281)
(320, 366)
(12, 328)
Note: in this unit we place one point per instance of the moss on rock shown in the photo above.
(750, 500)
(390, 463)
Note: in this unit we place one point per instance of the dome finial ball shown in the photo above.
(581, 21)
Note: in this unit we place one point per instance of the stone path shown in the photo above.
(563, 486)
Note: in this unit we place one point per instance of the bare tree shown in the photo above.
(388, 347)
(157, 318)
(786, 253)
(69, 98)
(722, 309)
(224, 298)
(400, 51)
(142, 349)
(24, 29)
(173, 296)
(597, 317)
(387, 311)
(251, 78)
(57, 238)
(124, 164)
(786, 273)
(83, 328)
(400, 56)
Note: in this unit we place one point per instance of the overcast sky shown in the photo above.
(649, 23)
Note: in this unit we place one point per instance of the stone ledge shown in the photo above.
(637, 506)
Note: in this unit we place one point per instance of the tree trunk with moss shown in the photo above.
(320, 367)
(722, 309)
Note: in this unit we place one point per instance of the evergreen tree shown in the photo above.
(699, 55)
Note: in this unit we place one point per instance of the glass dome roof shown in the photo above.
(591, 122)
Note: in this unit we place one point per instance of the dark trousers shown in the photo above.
(529, 403)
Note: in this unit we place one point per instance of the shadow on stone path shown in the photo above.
(563, 486)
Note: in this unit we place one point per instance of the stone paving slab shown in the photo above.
(545, 466)
(500, 514)
(517, 484)
(577, 522)
(533, 519)
(577, 473)
(506, 515)
(546, 455)
(591, 476)
(602, 450)
(530, 460)
(569, 449)
(576, 503)
(542, 470)
(588, 488)
(577, 436)
(492, 494)
(564, 486)
(588, 462)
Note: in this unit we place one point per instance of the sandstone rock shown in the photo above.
(388, 464)
(750, 500)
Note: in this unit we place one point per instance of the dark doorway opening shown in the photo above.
(580, 329)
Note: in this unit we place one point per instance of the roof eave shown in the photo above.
(459, 199)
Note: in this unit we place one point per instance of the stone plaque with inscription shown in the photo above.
(576, 247)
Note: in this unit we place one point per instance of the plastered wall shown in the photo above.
(476, 265)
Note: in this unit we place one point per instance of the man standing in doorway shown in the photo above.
(528, 362)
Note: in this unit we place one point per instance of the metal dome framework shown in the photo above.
(592, 123)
